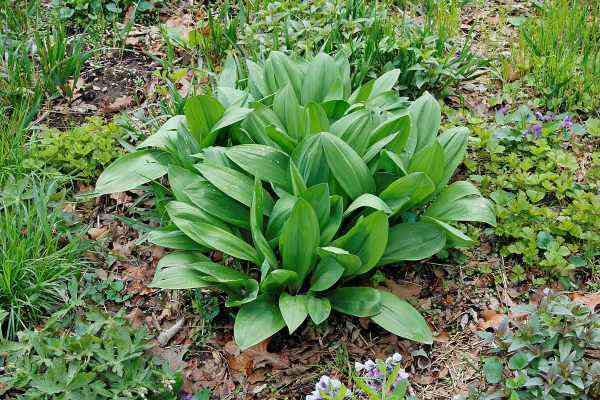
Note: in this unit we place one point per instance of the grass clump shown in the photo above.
(36, 258)
(560, 49)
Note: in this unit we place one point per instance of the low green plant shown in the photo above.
(324, 185)
(100, 357)
(559, 47)
(547, 206)
(84, 12)
(38, 253)
(546, 355)
(82, 151)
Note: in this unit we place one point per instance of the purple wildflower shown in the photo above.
(525, 133)
(567, 122)
(537, 130)
(502, 110)
(327, 386)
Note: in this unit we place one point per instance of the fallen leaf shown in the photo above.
(118, 104)
(97, 233)
(443, 337)
(403, 291)
(491, 319)
(590, 300)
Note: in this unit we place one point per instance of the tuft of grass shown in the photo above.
(560, 49)
(38, 254)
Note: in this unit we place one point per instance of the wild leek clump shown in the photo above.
(308, 186)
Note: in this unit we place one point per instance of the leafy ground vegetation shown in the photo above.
(255, 200)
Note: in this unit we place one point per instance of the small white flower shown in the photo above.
(358, 366)
(397, 358)
(369, 364)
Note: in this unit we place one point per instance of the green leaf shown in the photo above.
(298, 185)
(347, 167)
(368, 200)
(299, 239)
(193, 188)
(220, 273)
(256, 225)
(320, 74)
(293, 309)
(350, 262)
(228, 76)
(430, 160)
(179, 277)
(131, 171)
(234, 184)
(280, 214)
(492, 369)
(356, 129)
(454, 237)
(277, 280)
(316, 119)
(407, 192)
(279, 71)
(202, 113)
(172, 238)
(231, 116)
(413, 242)
(520, 360)
(165, 134)
(256, 322)
(425, 116)
(290, 112)
(256, 80)
(367, 239)
(335, 219)
(310, 159)
(454, 144)
(180, 258)
(318, 198)
(461, 201)
(400, 318)
(357, 301)
(318, 308)
(263, 162)
(384, 83)
(327, 272)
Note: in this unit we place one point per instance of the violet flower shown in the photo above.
(537, 130)
(567, 122)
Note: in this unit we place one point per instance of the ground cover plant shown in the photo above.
(546, 356)
(82, 151)
(101, 358)
(547, 214)
(375, 39)
(383, 158)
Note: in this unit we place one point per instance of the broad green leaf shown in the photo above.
(391, 162)
(367, 239)
(290, 112)
(232, 115)
(233, 183)
(327, 272)
(384, 83)
(320, 74)
(226, 242)
(425, 116)
(256, 80)
(220, 273)
(335, 109)
(318, 197)
(298, 184)
(430, 160)
(454, 144)
(240, 292)
(399, 125)
(370, 201)
(256, 225)
(257, 123)
(356, 129)
(377, 147)
(400, 318)
(193, 188)
(461, 202)
(347, 167)
(282, 140)
(279, 71)
(172, 238)
(335, 219)
(299, 239)
(492, 369)
(454, 237)
(318, 308)
(180, 258)
(263, 162)
(279, 215)
(165, 134)
(413, 242)
(407, 192)
(357, 301)
(293, 309)
(277, 280)
(179, 277)
(228, 76)
(184, 215)
(350, 262)
(131, 171)
(310, 159)
(316, 119)
(256, 322)
(520, 360)
(202, 113)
